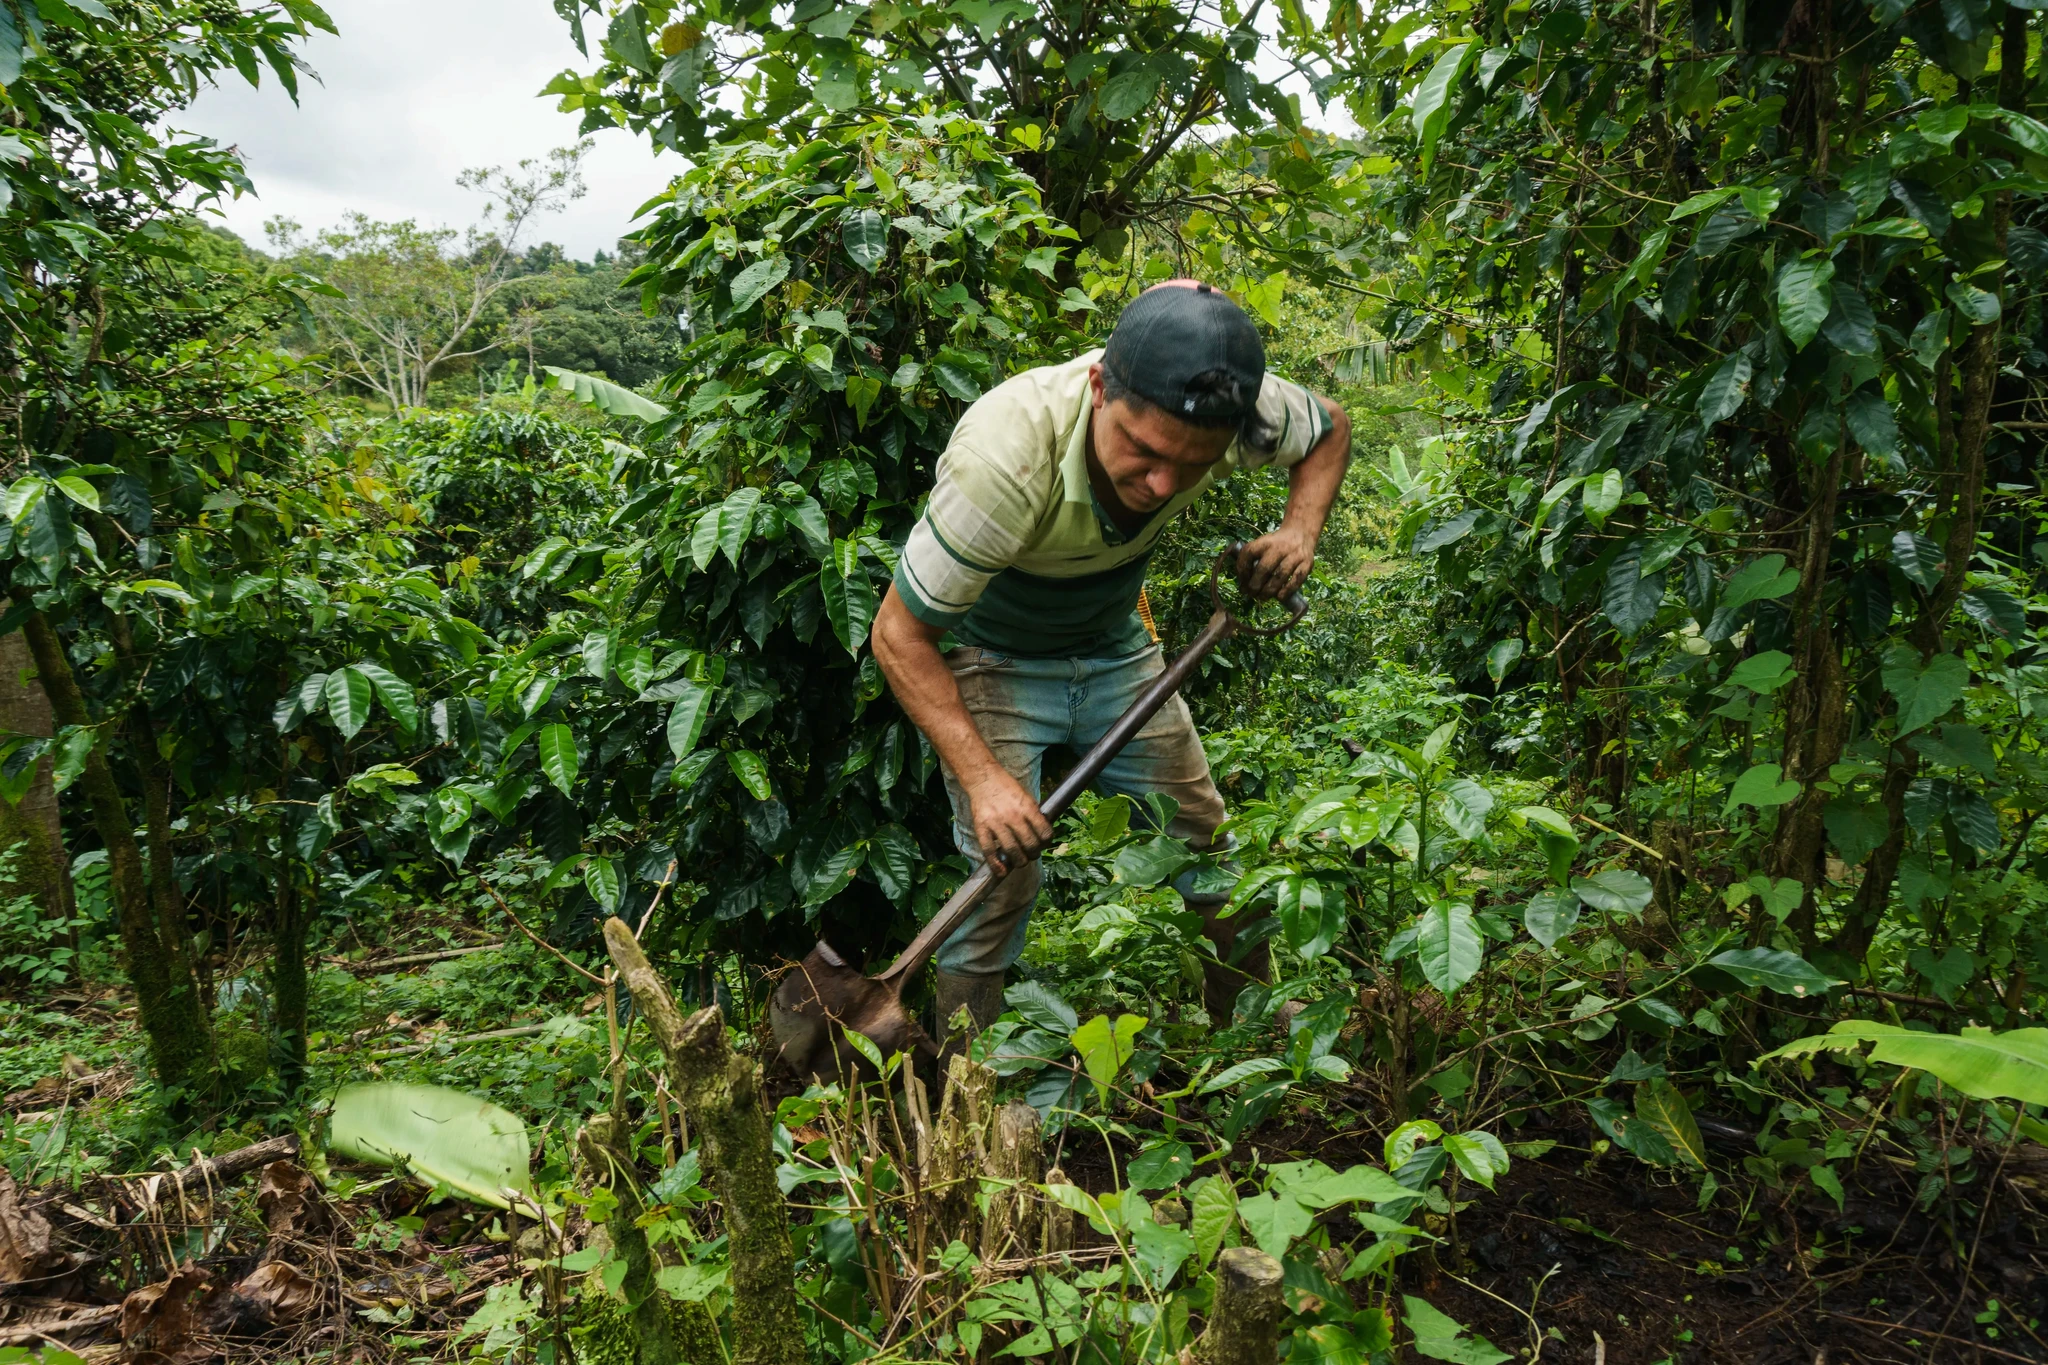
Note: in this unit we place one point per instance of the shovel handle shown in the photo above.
(1221, 626)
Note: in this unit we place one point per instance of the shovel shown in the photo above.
(823, 995)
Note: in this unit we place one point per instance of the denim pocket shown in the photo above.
(974, 659)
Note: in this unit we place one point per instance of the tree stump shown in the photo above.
(959, 1151)
(722, 1095)
(1059, 1219)
(1016, 1155)
(1244, 1321)
(604, 1159)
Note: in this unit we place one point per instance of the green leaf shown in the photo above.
(1981, 1064)
(1106, 1049)
(1925, 692)
(1804, 299)
(1038, 1005)
(79, 491)
(1602, 496)
(1443, 1338)
(1212, 1207)
(1478, 1154)
(1465, 807)
(849, 604)
(752, 772)
(1979, 306)
(1152, 861)
(1761, 786)
(348, 694)
(1661, 1105)
(395, 692)
(1431, 109)
(442, 1137)
(1763, 673)
(1502, 657)
(1725, 390)
(1918, 558)
(1617, 891)
(615, 400)
(751, 285)
(601, 880)
(893, 858)
(1274, 1221)
(1773, 969)
(1160, 1166)
(1550, 915)
(1128, 95)
(686, 720)
(1449, 949)
(1998, 611)
(1310, 916)
(865, 234)
(1828, 1183)
(736, 522)
(558, 758)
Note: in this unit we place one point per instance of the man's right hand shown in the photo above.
(1008, 825)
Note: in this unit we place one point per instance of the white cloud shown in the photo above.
(410, 94)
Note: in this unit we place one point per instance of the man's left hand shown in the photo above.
(1276, 563)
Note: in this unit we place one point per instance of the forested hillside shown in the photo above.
(439, 706)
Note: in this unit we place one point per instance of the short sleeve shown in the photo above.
(973, 528)
(1294, 419)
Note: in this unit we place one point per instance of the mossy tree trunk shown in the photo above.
(721, 1093)
(288, 980)
(603, 1149)
(30, 826)
(167, 998)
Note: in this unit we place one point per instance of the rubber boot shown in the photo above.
(981, 996)
(1221, 981)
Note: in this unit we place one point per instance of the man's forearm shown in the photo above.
(924, 687)
(1315, 479)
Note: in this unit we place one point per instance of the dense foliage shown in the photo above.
(1672, 693)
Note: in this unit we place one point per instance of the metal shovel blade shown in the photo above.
(822, 997)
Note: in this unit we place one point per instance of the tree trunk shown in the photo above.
(722, 1094)
(599, 1145)
(288, 982)
(1815, 707)
(31, 828)
(166, 995)
(1244, 1320)
(1016, 1154)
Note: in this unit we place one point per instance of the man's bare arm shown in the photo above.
(1007, 822)
(1279, 562)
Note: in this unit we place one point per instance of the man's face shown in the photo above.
(1150, 456)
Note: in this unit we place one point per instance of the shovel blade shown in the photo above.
(821, 998)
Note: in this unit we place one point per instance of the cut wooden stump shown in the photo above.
(1059, 1219)
(722, 1095)
(1244, 1321)
(1016, 1156)
(959, 1150)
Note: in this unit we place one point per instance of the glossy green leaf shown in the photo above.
(1106, 1048)
(442, 1137)
(614, 400)
(1550, 915)
(865, 234)
(1617, 891)
(1763, 786)
(751, 285)
(558, 757)
(394, 692)
(1925, 691)
(347, 694)
(1773, 969)
(1978, 1062)
(752, 772)
(1448, 946)
(1804, 299)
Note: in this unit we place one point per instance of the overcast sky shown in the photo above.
(412, 93)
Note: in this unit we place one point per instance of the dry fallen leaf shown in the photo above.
(25, 1252)
(289, 1198)
(275, 1293)
(159, 1325)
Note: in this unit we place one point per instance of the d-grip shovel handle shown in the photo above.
(1222, 625)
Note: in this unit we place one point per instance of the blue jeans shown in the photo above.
(1022, 707)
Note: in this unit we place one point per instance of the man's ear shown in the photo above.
(1095, 384)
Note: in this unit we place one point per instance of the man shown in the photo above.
(1031, 554)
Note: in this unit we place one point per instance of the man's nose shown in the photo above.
(1162, 483)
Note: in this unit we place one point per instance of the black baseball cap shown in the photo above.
(1186, 347)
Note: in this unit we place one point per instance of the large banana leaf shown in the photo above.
(1982, 1064)
(443, 1137)
(614, 399)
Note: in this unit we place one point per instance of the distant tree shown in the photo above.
(408, 304)
(587, 318)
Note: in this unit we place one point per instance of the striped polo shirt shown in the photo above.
(1015, 554)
